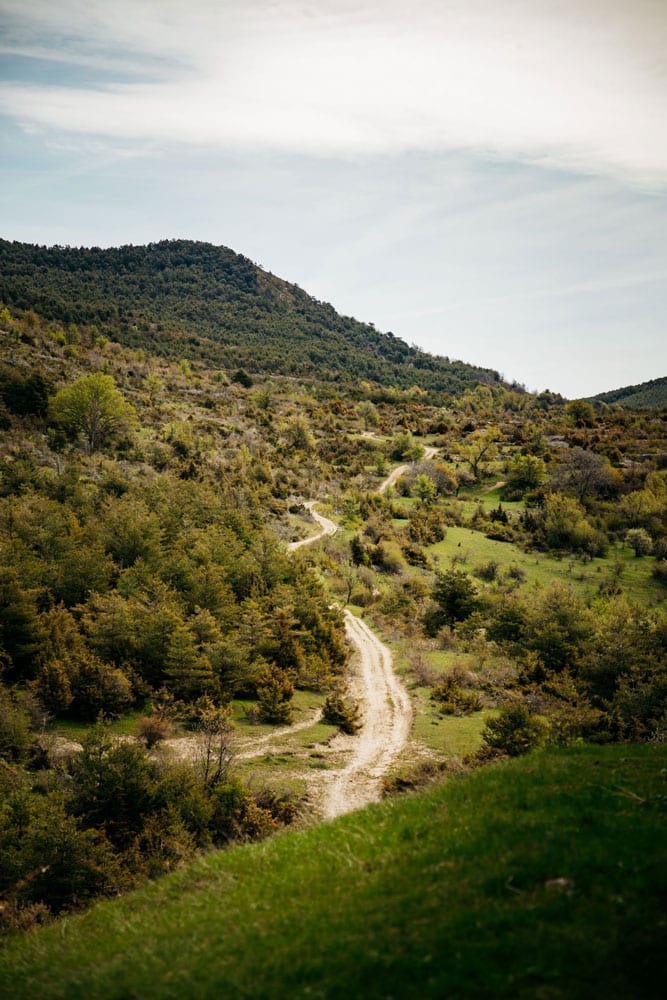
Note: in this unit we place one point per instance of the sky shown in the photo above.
(486, 179)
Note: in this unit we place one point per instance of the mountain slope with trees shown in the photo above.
(186, 299)
(645, 396)
(516, 568)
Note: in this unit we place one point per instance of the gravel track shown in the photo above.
(387, 716)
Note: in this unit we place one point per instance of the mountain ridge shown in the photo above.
(644, 395)
(204, 302)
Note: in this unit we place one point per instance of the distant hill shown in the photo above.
(189, 299)
(646, 396)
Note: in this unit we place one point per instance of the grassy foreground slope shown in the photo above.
(543, 877)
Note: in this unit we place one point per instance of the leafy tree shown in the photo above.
(404, 448)
(109, 621)
(565, 526)
(213, 727)
(20, 633)
(56, 863)
(94, 407)
(368, 413)
(188, 673)
(24, 395)
(640, 541)
(299, 435)
(558, 627)
(580, 412)
(426, 488)
(15, 735)
(526, 472)
(113, 785)
(583, 473)
(627, 640)
(453, 699)
(480, 448)
(130, 530)
(99, 687)
(53, 687)
(242, 378)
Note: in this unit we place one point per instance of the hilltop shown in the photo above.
(179, 298)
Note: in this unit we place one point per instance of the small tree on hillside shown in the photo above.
(640, 541)
(427, 491)
(480, 448)
(275, 692)
(456, 596)
(92, 406)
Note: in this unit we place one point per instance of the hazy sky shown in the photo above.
(485, 178)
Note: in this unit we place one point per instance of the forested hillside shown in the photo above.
(648, 395)
(158, 639)
(193, 300)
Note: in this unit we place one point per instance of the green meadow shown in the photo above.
(543, 877)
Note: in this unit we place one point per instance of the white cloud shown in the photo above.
(581, 84)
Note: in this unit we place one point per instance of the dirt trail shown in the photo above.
(184, 747)
(387, 713)
(327, 527)
(394, 476)
(387, 716)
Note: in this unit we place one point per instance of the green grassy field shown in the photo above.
(448, 736)
(472, 549)
(76, 730)
(541, 878)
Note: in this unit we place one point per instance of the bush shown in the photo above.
(455, 597)
(99, 687)
(660, 570)
(660, 548)
(455, 700)
(15, 735)
(153, 729)
(639, 540)
(488, 571)
(340, 712)
(514, 731)
(515, 572)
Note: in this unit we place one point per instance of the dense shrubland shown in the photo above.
(144, 506)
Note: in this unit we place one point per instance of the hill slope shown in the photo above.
(645, 396)
(543, 877)
(186, 299)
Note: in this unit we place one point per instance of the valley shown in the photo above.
(241, 601)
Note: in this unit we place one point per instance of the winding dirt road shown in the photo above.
(400, 470)
(387, 715)
(327, 527)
